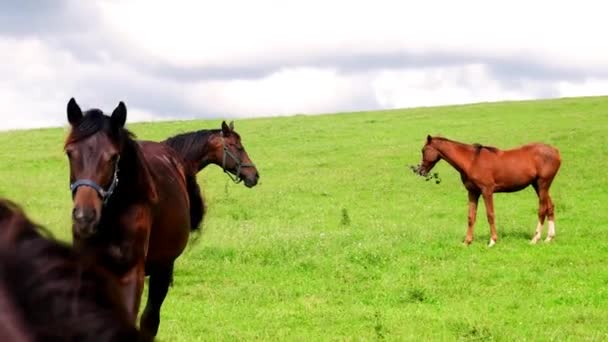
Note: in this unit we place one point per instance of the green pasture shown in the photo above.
(341, 241)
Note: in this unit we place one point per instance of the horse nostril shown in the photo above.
(77, 214)
(83, 215)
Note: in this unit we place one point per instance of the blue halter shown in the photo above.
(103, 194)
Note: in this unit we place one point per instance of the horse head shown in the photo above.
(234, 159)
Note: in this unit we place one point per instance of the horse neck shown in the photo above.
(195, 148)
(207, 154)
(135, 180)
(457, 154)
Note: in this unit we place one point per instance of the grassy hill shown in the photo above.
(340, 241)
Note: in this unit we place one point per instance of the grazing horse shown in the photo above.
(131, 205)
(485, 170)
(48, 292)
(221, 147)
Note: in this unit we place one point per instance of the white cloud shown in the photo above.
(587, 87)
(440, 86)
(288, 57)
(288, 91)
(205, 33)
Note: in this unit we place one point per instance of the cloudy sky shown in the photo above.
(226, 59)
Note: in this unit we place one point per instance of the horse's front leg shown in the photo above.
(473, 200)
(132, 284)
(489, 201)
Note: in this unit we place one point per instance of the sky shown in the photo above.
(173, 60)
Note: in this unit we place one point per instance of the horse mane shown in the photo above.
(188, 145)
(479, 147)
(134, 170)
(476, 146)
(49, 292)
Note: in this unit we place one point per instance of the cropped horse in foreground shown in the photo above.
(221, 147)
(131, 205)
(48, 292)
(485, 170)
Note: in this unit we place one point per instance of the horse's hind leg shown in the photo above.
(541, 215)
(551, 217)
(547, 204)
(160, 280)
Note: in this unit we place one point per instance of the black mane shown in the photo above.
(188, 145)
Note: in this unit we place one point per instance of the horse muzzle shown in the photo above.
(84, 222)
(251, 181)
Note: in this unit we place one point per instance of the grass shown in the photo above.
(340, 241)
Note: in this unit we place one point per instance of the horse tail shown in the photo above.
(197, 203)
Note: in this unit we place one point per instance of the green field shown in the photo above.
(340, 241)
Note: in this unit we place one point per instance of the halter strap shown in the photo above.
(103, 194)
(236, 179)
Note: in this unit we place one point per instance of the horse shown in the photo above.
(485, 170)
(131, 205)
(221, 147)
(48, 292)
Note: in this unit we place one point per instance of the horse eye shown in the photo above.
(69, 154)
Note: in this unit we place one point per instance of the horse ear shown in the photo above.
(428, 139)
(119, 116)
(74, 112)
(231, 125)
(225, 129)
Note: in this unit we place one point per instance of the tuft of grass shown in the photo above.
(340, 241)
(345, 220)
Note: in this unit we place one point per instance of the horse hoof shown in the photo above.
(549, 239)
(534, 240)
(492, 243)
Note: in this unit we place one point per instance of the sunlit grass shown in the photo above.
(340, 241)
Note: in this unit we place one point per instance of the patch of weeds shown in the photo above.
(472, 332)
(345, 221)
(417, 295)
(379, 328)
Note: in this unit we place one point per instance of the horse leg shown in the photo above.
(547, 204)
(132, 284)
(473, 200)
(158, 286)
(488, 200)
(541, 215)
(551, 216)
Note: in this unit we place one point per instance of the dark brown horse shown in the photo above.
(131, 205)
(48, 292)
(485, 170)
(221, 147)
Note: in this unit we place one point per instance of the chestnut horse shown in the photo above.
(131, 205)
(485, 170)
(48, 292)
(221, 147)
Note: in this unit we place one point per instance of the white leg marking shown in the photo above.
(492, 243)
(539, 230)
(551, 233)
